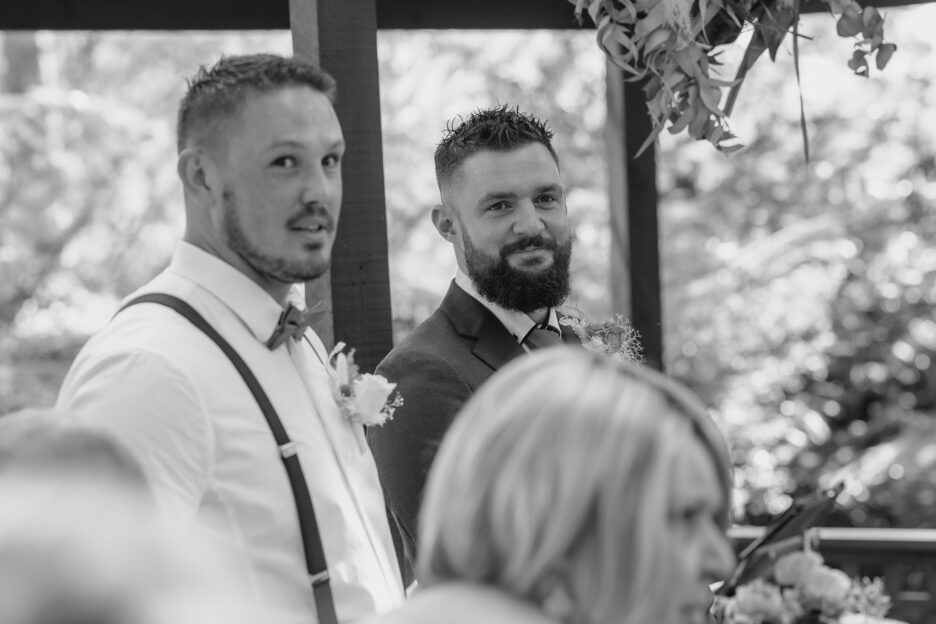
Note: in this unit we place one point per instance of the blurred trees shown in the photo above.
(797, 298)
(89, 204)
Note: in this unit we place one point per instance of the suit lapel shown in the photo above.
(495, 346)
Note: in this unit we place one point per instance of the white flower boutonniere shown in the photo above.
(364, 399)
(615, 338)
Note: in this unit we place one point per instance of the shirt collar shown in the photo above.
(516, 322)
(251, 303)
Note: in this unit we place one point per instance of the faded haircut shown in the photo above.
(216, 94)
(498, 129)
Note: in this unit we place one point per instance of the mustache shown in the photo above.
(538, 242)
(315, 211)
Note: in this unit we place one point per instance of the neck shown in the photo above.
(539, 316)
(276, 289)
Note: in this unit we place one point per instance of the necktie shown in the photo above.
(542, 336)
(292, 323)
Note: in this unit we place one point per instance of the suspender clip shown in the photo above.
(288, 450)
(318, 578)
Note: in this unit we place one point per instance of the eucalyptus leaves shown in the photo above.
(675, 43)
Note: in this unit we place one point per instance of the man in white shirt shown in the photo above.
(503, 210)
(260, 150)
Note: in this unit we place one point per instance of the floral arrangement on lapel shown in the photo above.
(615, 337)
(364, 399)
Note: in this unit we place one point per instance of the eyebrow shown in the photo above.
(495, 195)
(335, 145)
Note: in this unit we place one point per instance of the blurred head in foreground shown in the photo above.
(79, 538)
(595, 490)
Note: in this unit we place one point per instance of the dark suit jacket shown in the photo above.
(436, 369)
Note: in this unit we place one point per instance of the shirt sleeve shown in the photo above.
(151, 406)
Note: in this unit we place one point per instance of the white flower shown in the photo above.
(825, 589)
(759, 601)
(792, 567)
(363, 399)
(370, 399)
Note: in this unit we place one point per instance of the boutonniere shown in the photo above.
(364, 399)
(615, 337)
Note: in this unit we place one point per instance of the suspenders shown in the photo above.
(311, 540)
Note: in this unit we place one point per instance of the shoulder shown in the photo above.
(145, 367)
(434, 342)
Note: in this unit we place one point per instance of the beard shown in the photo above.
(515, 289)
(265, 264)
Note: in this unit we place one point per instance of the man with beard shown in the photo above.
(257, 454)
(503, 210)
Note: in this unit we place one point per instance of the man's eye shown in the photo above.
(547, 198)
(332, 160)
(498, 207)
(285, 161)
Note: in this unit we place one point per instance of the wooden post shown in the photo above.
(643, 229)
(342, 35)
(632, 193)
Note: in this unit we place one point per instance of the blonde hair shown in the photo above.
(557, 473)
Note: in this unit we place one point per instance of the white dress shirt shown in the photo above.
(514, 321)
(168, 393)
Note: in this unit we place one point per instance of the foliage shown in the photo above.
(799, 299)
(676, 46)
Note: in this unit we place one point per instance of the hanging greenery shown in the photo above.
(675, 44)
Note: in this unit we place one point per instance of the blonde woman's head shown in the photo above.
(596, 489)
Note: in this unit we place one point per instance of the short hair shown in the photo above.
(216, 94)
(559, 465)
(500, 128)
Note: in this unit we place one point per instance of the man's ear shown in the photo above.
(198, 174)
(445, 222)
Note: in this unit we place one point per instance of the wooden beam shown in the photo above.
(274, 14)
(360, 276)
(642, 226)
(480, 14)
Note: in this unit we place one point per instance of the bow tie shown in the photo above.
(292, 323)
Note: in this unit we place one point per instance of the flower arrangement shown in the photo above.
(803, 590)
(364, 399)
(615, 337)
(675, 44)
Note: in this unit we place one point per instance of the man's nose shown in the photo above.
(320, 187)
(528, 220)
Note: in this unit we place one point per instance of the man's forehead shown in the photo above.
(299, 116)
(530, 160)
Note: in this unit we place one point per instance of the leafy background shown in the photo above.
(798, 298)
